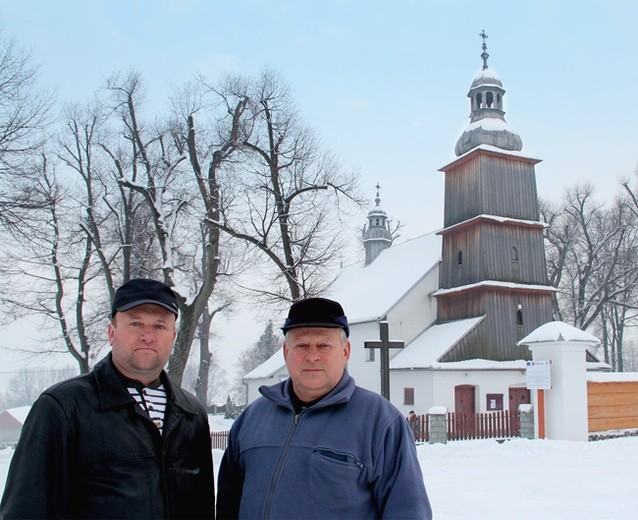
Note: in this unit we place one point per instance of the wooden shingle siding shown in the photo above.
(612, 405)
(490, 184)
(496, 336)
(492, 233)
(487, 255)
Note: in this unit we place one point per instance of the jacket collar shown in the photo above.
(112, 391)
(280, 393)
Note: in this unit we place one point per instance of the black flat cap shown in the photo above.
(316, 312)
(139, 291)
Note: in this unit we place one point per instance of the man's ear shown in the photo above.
(346, 349)
(110, 331)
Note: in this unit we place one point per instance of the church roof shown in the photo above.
(486, 77)
(427, 348)
(370, 292)
(268, 367)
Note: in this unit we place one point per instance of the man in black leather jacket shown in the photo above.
(120, 441)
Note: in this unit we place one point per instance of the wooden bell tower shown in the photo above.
(493, 258)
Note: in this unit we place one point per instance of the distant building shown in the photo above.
(11, 421)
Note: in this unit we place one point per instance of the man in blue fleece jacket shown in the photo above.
(317, 445)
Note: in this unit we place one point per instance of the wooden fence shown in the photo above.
(612, 405)
(219, 440)
(488, 425)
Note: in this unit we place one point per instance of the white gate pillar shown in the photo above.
(565, 403)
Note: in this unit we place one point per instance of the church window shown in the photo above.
(514, 255)
(499, 102)
(479, 100)
(408, 396)
(459, 258)
(489, 99)
(377, 222)
(519, 318)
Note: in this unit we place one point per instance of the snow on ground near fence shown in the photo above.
(522, 479)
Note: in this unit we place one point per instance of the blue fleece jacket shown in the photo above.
(350, 456)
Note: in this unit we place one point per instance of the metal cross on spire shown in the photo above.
(384, 345)
(484, 54)
(378, 200)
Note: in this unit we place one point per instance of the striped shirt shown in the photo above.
(152, 401)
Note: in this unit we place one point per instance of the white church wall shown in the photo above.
(415, 311)
(420, 381)
(406, 320)
(365, 373)
(484, 381)
(436, 387)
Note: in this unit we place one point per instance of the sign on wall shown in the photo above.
(539, 375)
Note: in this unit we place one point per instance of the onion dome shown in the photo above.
(487, 117)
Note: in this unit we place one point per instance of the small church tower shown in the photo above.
(493, 256)
(376, 235)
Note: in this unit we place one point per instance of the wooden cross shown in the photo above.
(384, 345)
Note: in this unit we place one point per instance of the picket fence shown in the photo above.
(488, 425)
(219, 440)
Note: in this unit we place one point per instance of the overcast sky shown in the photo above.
(383, 82)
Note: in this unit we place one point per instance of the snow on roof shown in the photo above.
(369, 292)
(558, 331)
(268, 367)
(615, 377)
(490, 124)
(489, 148)
(19, 413)
(427, 348)
(493, 218)
(496, 283)
(487, 76)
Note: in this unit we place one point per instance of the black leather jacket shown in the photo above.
(88, 451)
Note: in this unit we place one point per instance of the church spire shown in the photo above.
(376, 235)
(487, 117)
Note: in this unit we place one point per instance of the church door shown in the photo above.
(464, 399)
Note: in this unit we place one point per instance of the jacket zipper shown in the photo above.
(280, 464)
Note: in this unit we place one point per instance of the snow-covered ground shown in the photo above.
(522, 479)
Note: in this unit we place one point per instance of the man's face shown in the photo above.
(141, 341)
(316, 359)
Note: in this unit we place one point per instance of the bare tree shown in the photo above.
(216, 386)
(232, 171)
(591, 254)
(51, 267)
(584, 243)
(28, 383)
(24, 120)
(290, 196)
(176, 170)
